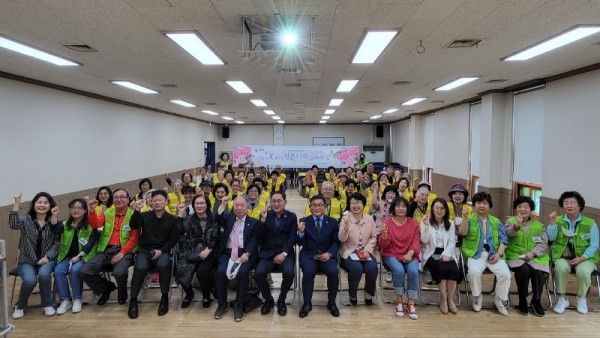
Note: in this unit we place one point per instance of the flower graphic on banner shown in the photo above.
(242, 155)
(347, 155)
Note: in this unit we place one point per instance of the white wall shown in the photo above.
(400, 142)
(61, 142)
(572, 137)
(451, 150)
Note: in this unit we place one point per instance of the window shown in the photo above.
(474, 187)
(428, 174)
(531, 190)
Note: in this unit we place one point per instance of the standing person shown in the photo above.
(158, 236)
(362, 162)
(484, 243)
(277, 252)
(38, 249)
(77, 245)
(318, 236)
(575, 248)
(115, 249)
(224, 162)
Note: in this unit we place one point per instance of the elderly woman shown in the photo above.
(220, 190)
(38, 249)
(458, 201)
(438, 242)
(201, 237)
(255, 204)
(400, 243)
(175, 197)
(575, 247)
(404, 189)
(358, 236)
(526, 254)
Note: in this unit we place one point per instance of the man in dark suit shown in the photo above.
(277, 252)
(239, 243)
(318, 236)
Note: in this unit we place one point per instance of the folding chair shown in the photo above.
(382, 272)
(157, 285)
(15, 273)
(467, 288)
(343, 291)
(316, 289)
(548, 294)
(294, 288)
(594, 275)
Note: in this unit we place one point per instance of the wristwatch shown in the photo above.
(284, 253)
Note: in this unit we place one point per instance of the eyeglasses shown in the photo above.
(317, 205)
(77, 208)
(277, 201)
(120, 197)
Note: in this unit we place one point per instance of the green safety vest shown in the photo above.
(523, 242)
(109, 224)
(581, 239)
(67, 237)
(471, 242)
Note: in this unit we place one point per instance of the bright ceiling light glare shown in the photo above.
(289, 39)
(372, 46)
(389, 111)
(35, 53)
(193, 44)
(456, 83)
(269, 112)
(325, 117)
(135, 87)
(259, 103)
(239, 122)
(346, 86)
(276, 117)
(571, 35)
(209, 112)
(335, 102)
(183, 103)
(414, 101)
(322, 121)
(329, 111)
(228, 118)
(239, 87)
(363, 121)
(280, 121)
(374, 117)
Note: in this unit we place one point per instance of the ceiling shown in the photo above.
(131, 46)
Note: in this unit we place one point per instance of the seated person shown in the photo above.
(333, 207)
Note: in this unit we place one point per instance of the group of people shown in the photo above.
(222, 226)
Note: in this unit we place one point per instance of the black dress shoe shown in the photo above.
(354, 301)
(122, 298)
(163, 307)
(333, 309)
(206, 303)
(267, 306)
(538, 310)
(106, 294)
(281, 307)
(369, 302)
(187, 300)
(133, 309)
(306, 308)
(523, 308)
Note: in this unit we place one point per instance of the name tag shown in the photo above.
(126, 228)
(585, 236)
(537, 239)
(83, 241)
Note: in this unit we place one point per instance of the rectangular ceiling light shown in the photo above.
(335, 102)
(239, 122)
(565, 38)
(323, 121)
(325, 117)
(280, 121)
(413, 101)
(456, 83)
(389, 111)
(228, 118)
(372, 46)
(33, 52)
(183, 103)
(209, 112)
(329, 111)
(135, 87)
(346, 86)
(269, 112)
(374, 117)
(259, 103)
(240, 87)
(193, 44)
(276, 117)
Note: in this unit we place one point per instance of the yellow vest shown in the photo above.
(174, 203)
(334, 211)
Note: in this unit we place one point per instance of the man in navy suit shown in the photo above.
(318, 236)
(277, 252)
(239, 243)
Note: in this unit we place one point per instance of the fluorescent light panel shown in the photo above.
(239, 122)
(363, 121)
(259, 103)
(276, 117)
(193, 44)
(240, 87)
(374, 117)
(34, 52)
(325, 117)
(565, 38)
(329, 111)
(135, 87)
(209, 112)
(372, 45)
(322, 121)
(228, 118)
(456, 83)
(346, 86)
(280, 121)
(413, 101)
(389, 111)
(183, 103)
(269, 112)
(335, 102)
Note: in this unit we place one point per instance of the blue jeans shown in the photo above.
(399, 271)
(62, 284)
(29, 275)
(355, 271)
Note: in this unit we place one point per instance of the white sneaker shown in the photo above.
(49, 311)
(64, 306)
(76, 306)
(388, 277)
(18, 314)
(399, 310)
(561, 305)
(477, 303)
(500, 306)
(582, 305)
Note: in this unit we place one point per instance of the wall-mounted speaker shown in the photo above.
(225, 132)
(379, 130)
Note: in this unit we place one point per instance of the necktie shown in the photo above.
(235, 241)
(484, 224)
(318, 225)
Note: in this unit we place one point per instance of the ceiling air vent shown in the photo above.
(81, 48)
(496, 81)
(401, 83)
(211, 103)
(291, 70)
(293, 85)
(301, 118)
(463, 43)
(360, 111)
(168, 85)
(373, 101)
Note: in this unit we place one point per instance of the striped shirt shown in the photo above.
(29, 235)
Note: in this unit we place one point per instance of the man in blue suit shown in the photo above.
(318, 236)
(239, 243)
(277, 252)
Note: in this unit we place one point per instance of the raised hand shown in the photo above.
(18, 198)
(384, 228)
(137, 205)
(346, 222)
(553, 217)
(263, 214)
(55, 212)
(92, 205)
(181, 209)
(225, 200)
(465, 213)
